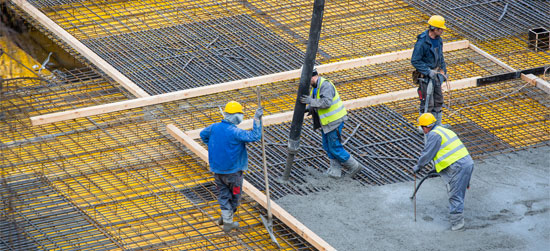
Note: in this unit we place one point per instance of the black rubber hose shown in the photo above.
(431, 173)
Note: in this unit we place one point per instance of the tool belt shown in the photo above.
(417, 75)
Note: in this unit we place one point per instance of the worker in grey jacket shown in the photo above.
(329, 114)
(451, 160)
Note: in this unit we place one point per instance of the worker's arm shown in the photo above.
(205, 134)
(249, 135)
(416, 59)
(430, 150)
(326, 94)
(256, 133)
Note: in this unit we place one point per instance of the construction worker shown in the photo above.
(428, 60)
(329, 114)
(452, 161)
(228, 158)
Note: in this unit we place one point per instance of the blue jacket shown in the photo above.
(424, 57)
(226, 146)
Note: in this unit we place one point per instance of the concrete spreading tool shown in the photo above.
(268, 223)
(431, 173)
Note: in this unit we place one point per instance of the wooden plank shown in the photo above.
(354, 104)
(536, 81)
(81, 48)
(491, 57)
(256, 194)
(237, 84)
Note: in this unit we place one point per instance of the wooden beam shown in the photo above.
(491, 57)
(354, 104)
(256, 194)
(536, 81)
(81, 48)
(237, 84)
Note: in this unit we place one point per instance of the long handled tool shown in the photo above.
(414, 199)
(268, 223)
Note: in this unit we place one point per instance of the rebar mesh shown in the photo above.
(499, 26)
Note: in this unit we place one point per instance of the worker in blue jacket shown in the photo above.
(428, 60)
(228, 158)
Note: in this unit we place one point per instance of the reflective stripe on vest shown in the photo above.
(336, 109)
(451, 149)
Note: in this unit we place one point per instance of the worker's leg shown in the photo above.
(326, 145)
(457, 177)
(236, 184)
(224, 192)
(334, 145)
(226, 187)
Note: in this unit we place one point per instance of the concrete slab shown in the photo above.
(506, 208)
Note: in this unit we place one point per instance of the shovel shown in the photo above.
(268, 223)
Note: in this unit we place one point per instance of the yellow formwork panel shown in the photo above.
(14, 62)
(513, 51)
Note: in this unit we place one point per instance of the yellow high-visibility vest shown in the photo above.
(451, 149)
(336, 109)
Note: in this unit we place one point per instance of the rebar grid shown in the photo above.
(489, 19)
(198, 54)
(499, 26)
(126, 179)
(122, 32)
(496, 118)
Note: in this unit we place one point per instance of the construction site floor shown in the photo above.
(506, 208)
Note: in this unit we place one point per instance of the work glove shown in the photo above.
(305, 99)
(416, 169)
(259, 113)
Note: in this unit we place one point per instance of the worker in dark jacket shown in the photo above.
(451, 160)
(329, 114)
(428, 60)
(228, 158)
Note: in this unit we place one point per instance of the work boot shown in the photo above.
(352, 166)
(228, 223)
(438, 116)
(458, 226)
(335, 169)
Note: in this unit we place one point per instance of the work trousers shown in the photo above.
(436, 101)
(229, 190)
(457, 178)
(333, 146)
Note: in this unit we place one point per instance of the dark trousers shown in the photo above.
(436, 100)
(229, 190)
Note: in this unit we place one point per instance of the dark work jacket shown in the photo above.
(425, 58)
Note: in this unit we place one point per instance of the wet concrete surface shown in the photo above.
(506, 208)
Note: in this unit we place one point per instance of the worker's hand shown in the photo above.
(259, 113)
(416, 169)
(305, 99)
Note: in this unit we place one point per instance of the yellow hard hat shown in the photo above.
(437, 21)
(426, 119)
(233, 107)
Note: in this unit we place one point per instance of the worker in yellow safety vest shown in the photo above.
(451, 160)
(329, 114)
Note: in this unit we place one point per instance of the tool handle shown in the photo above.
(269, 215)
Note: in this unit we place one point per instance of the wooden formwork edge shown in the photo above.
(536, 81)
(491, 57)
(255, 194)
(237, 84)
(353, 104)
